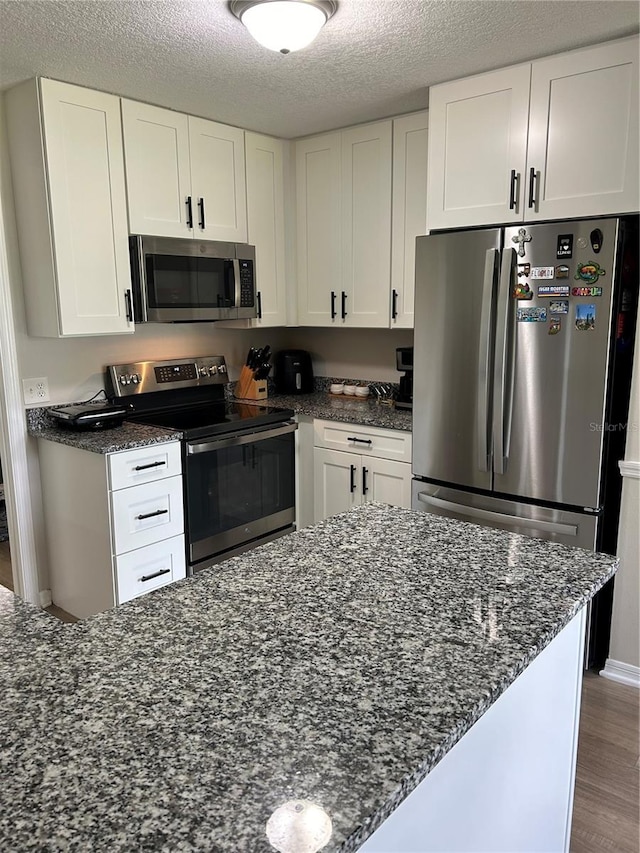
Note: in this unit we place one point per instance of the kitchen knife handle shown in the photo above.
(394, 304)
(365, 488)
(514, 191)
(344, 305)
(189, 213)
(533, 178)
(333, 304)
(145, 578)
(352, 483)
(128, 305)
(259, 298)
(201, 209)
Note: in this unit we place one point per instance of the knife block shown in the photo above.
(248, 388)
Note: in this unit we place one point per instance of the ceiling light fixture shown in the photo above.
(284, 25)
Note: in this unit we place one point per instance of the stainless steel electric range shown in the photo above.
(238, 459)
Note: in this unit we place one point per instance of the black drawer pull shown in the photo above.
(145, 578)
(359, 440)
(352, 482)
(365, 488)
(150, 465)
(152, 514)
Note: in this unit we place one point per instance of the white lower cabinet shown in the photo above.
(114, 524)
(354, 475)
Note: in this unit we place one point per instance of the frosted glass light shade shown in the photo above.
(284, 25)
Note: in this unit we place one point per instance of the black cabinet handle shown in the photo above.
(344, 304)
(352, 482)
(513, 194)
(128, 305)
(333, 304)
(201, 209)
(259, 298)
(365, 488)
(359, 440)
(394, 304)
(150, 465)
(154, 575)
(152, 514)
(189, 213)
(533, 177)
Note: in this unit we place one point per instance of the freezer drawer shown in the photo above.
(570, 528)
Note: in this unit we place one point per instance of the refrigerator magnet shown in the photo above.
(559, 306)
(542, 272)
(585, 317)
(564, 248)
(524, 269)
(553, 290)
(586, 291)
(532, 315)
(562, 271)
(522, 290)
(589, 272)
(555, 324)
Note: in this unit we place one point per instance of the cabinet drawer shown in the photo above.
(364, 440)
(146, 514)
(149, 568)
(143, 465)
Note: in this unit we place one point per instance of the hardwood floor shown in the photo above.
(606, 811)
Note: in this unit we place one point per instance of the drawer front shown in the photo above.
(144, 465)
(366, 441)
(146, 514)
(145, 569)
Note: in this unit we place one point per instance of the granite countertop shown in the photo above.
(334, 666)
(353, 410)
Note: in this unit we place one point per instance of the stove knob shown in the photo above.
(222, 368)
(123, 379)
(203, 371)
(135, 378)
(213, 370)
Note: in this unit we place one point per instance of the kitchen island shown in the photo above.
(332, 672)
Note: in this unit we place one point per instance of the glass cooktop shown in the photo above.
(214, 418)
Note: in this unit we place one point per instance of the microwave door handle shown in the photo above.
(140, 273)
(236, 278)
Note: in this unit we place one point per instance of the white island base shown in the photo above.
(507, 785)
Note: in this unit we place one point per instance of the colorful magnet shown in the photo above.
(586, 291)
(553, 290)
(524, 269)
(521, 239)
(522, 290)
(562, 271)
(589, 272)
(585, 317)
(542, 272)
(564, 248)
(532, 315)
(555, 324)
(559, 306)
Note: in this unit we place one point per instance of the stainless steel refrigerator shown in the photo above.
(523, 350)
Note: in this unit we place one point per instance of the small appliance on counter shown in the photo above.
(85, 416)
(404, 362)
(293, 372)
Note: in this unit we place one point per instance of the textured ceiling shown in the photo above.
(374, 58)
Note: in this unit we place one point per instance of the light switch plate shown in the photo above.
(36, 390)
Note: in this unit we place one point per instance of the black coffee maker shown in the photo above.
(404, 362)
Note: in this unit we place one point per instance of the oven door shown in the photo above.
(239, 489)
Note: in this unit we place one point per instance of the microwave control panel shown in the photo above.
(247, 289)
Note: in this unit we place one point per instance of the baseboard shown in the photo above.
(45, 598)
(624, 673)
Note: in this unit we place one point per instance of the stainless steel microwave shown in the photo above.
(189, 281)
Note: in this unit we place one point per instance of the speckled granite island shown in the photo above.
(328, 676)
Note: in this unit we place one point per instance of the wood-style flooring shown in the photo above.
(606, 811)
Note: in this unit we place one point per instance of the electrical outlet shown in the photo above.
(36, 390)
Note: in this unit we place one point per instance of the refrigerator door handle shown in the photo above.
(484, 360)
(505, 518)
(505, 363)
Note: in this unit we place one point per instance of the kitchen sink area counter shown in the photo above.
(333, 668)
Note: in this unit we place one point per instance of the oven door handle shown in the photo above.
(237, 440)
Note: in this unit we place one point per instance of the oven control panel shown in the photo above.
(142, 377)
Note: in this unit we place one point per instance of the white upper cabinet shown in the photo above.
(343, 184)
(266, 223)
(185, 175)
(408, 211)
(478, 149)
(557, 138)
(583, 136)
(68, 174)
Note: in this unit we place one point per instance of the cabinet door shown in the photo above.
(265, 220)
(156, 148)
(477, 142)
(336, 482)
(318, 228)
(366, 225)
(386, 481)
(408, 212)
(583, 132)
(83, 145)
(218, 181)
